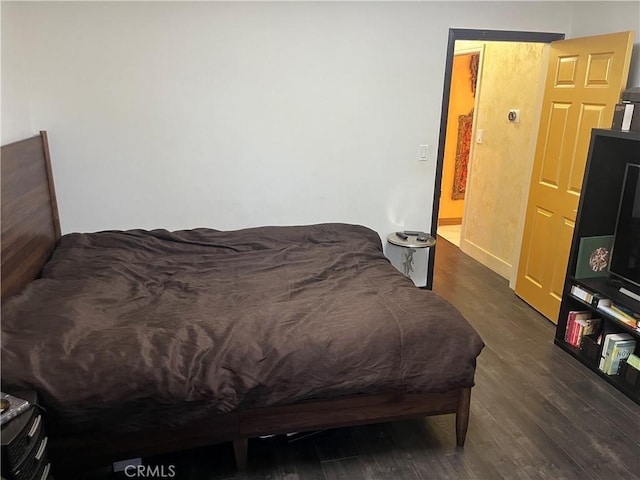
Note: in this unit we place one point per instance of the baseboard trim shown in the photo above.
(486, 258)
(450, 221)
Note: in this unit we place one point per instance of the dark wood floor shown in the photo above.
(536, 413)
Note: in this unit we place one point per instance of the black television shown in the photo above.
(625, 253)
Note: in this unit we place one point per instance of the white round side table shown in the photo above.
(410, 244)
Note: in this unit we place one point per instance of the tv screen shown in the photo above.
(625, 254)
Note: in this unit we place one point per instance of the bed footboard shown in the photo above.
(342, 412)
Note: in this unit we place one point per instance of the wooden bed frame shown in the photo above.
(30, 232)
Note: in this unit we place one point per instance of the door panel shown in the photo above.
(566, 68)
(556, 131)
(584, 81)
(559, 265)
(542, 229)
(599, 70)
(590, 117)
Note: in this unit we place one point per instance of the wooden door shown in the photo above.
(584, 81)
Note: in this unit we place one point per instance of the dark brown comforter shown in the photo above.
(164, 327)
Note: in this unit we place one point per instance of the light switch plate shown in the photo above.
(424, 153)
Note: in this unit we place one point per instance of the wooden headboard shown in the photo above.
(30, 221)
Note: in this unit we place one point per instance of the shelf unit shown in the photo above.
(609, 152)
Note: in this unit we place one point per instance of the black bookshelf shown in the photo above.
(609, 153)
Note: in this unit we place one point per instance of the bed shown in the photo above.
(143, 342)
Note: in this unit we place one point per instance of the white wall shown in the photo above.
(595, 18)
(179, 115)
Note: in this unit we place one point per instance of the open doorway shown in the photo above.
(459, 139)
(506, 72)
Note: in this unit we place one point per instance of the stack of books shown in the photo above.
(581, 293)
(594, 299)
(625, 315)
(615, 347)
(579, 325)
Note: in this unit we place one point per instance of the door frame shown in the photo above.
(478, 35)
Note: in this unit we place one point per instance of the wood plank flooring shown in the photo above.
(536, 413)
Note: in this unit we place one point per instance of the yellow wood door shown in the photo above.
(584, 81)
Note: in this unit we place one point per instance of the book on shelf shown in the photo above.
(599, 299)
(585, 327)
(581, 293)
(570, 329)
(606, 340)
(633, 361)
(621, 350)
(579, 324)
(616, 346)
(619, 315)
(625, 311)
(593, 298)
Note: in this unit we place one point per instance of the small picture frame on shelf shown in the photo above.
(594, 255)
